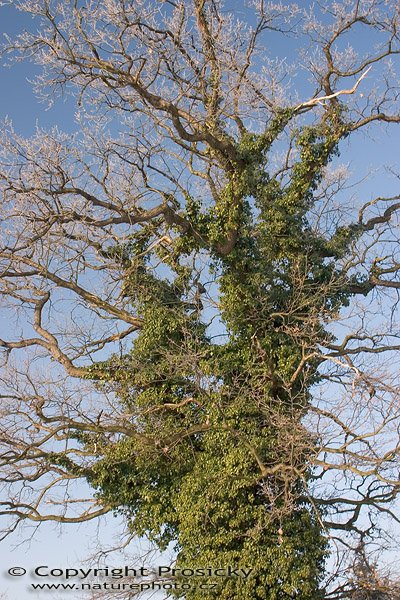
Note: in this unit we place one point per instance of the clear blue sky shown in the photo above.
(50, 544)
(17, 100)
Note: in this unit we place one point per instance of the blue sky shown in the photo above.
(17, 99)
(71, 544)
(49, 544)
(18, 103)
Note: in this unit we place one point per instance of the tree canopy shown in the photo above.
(196, 286)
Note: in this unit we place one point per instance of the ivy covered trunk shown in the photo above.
(206, 254)
(221, 463)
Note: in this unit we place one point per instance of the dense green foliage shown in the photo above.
(221, 465)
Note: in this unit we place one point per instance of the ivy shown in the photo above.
(209, 418)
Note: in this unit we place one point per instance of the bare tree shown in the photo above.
(205, 119)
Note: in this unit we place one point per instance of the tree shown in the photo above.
(191, 234)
